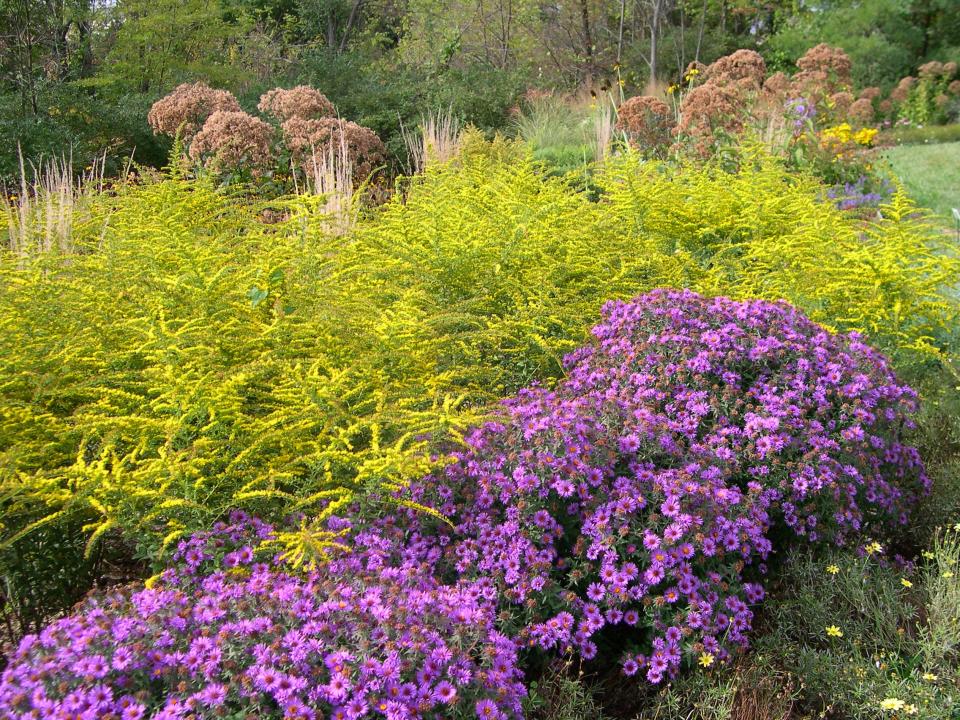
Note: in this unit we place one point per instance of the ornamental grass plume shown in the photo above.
(301, 101)
(636, 504)
(233, 142)
(307, 138)
(187, 107)
(647, 123)
(222, 634)
(743, 69)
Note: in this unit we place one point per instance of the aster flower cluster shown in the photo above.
(642, 495)
(223, 635)
(860, 194)
(801, 113)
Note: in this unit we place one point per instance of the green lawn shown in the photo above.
(931, 174)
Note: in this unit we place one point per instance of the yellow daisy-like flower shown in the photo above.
(930, 677)
(706, 659)
(891, 704)
(928, 555)
(833, 569)
(834, 631)
(910, 709)
(906, 583)
(874, 547)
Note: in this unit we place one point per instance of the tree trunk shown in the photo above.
(587, 37)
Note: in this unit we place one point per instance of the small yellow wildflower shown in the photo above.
(930, 677)
(706, 659)
(834, 631)
(906, 583)
(865, 136)
(928, 555)
(910, 709)
(957, 527)
(891, 704)
(874, 547)
(833, 569)
(672, 89)
(947, 574)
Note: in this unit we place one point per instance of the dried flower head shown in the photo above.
(932, 70)
(647, 123)
(869, 93)
(777, 86)
(231, 141)
(301, 101)
(830, 60)
(307, 138)
(743, 69)
(861, 111)
(841, 101)
(708, 112)
(954, 87)
(901, 92)
(187, 107)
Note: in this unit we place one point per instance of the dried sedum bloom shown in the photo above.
(307, 138)
(869, 93)
(233, 141)
(954, 87)
(301, 101)
(647, 122)
(186, 108)
(861, 111)
(743, 69)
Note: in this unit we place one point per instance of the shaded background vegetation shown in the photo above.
(80, 74)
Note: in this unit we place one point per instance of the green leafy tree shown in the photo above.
(162, 42)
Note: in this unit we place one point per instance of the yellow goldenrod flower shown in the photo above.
(891, 704)
(906, 583)
(706, 659)
(929, 677)
(834, 631)
(833, 569)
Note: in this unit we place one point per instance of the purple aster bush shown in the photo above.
(223, 635)
(642, 497)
